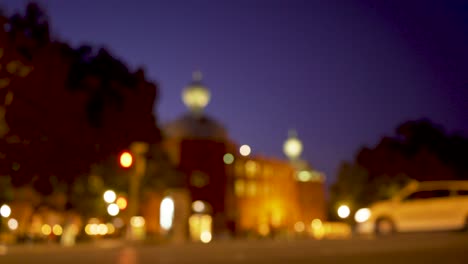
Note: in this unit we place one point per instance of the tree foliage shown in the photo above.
(420, 150)
(65, 108)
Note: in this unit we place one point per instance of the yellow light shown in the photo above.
(109, 196)
(94, 229)
(198, 206)
(205, 237)
(228, 158)
(137, 221)
(299, 227)
(5, 210)
(362, 215)
(251, 168)
(122, 203)
(343, 211)
(57, 230)
(88, 230)
(126, 159)
(110, 228)
(319, 233)
(46, 229)
(118, 222)
(12, 224)
(102, 229)
(316, 224)
(113, 209)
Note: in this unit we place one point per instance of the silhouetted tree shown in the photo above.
(65, 109)
(420, 151)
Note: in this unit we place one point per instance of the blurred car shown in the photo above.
(420, 206)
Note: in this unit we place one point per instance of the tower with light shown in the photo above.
(292, 147)
(196, 96)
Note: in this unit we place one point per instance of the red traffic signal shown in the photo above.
(126, 159)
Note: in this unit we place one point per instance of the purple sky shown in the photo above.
(342, 73)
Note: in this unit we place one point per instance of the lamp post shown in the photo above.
(136, 161)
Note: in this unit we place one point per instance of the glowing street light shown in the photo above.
(245, 150)
(109, 196)
(343, 211)
(13, 224)
(5, 211)
(113, 209)
(167, 213)
(126, 159)
(362, 215)
(122, 203)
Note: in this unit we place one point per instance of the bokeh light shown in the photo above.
(109, 196)
(228, 158)
(57, 230)
(126, 159)
(137, 221)
(5, 210)
(113, 209)
(245, 150)
(343, 211)
(122, 203)
(299, 227)
(362, 215)
(12, 224)
(198, 206)
(166, 213)
(46, 229)
(205, 237)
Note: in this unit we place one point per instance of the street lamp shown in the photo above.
(245, 150)
(126, 159)
(5, 211)
(343, 211)
(109, 196)
(113, 209)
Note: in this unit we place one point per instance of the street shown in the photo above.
(404, 248)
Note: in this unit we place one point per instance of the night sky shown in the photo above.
(342, 73)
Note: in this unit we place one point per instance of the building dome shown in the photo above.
(196, 96)
(200, 127)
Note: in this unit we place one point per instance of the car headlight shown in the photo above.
(362, 215)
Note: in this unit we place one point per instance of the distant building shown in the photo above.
(234, 193)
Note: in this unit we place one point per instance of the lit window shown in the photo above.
(239, 188)
(250, 168)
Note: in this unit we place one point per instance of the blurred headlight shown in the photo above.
(362, 215)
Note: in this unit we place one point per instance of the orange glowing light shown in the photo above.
(126, 159)
(121, 202)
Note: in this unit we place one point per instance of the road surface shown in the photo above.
(443, 248)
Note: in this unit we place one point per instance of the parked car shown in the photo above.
(420, 206)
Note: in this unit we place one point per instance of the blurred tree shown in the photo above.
(420, 150)
(65, 109)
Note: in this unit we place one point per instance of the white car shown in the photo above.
(420, 206)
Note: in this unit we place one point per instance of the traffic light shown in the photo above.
(126, 159)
